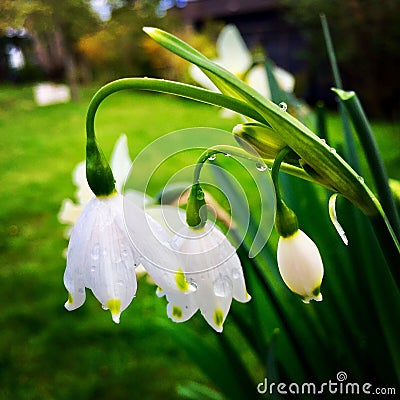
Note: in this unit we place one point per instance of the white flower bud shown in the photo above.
(300, 265)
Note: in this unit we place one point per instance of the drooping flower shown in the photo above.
(213, 269)
(101, 257)
(300, 265)
(237, 59)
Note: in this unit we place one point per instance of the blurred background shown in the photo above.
(46, 352)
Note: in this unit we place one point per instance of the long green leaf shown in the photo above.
(329, 167)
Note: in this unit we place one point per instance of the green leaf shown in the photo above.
(330, 169)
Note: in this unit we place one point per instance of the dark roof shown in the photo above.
(201, 10)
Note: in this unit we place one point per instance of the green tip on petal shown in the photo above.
(181, 281)
(177, 312)
(114, 305)
(70, 298)
(218, 317)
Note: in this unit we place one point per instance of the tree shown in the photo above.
(55, 27)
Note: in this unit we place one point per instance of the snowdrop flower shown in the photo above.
(214, 271)
(210, 266)
(236, 58)
(300, 265)
(101, 257)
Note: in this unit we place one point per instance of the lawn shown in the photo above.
(45, 351)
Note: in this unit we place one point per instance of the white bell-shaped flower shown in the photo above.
(101, 257)
(300, 265)
(214, 272)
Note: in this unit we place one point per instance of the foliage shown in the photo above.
(367, 36)
(55, 28)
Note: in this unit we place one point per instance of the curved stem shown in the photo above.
(224, 149)
(275, 171)
(170, 87)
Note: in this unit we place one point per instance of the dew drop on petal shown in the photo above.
(283, 106)
(360, 179)
(96, 251)
(236, 273)
(227, 155)
(223, 287)
(124, 253)
(333, 151)
(261, 167)
(104, 307)
(192, 285)
(93, 268)
(212, 157)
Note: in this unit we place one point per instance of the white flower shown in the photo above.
(101, 257)
(214, 272)
(300, 265)
(237, 59)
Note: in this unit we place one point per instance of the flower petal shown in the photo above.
(300, 265)
(258, 80)
(83, 193)
(284, 79)
(121, 162)
(232, 50)
(213, 268)
(101, 257)
(69, 212)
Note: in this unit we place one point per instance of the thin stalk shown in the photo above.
(351, 147)
(366, 136)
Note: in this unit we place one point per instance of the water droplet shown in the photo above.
(333, 151)
(96, 251)
(120, 283)
(117, 259)
(93, 268)
(124, 253)
(261, 167)
(283, 106)
(360, 179)
(223, 287)
(323, 141)
(200, 195)
(236, 273)
(227, 155)
(212, 157)
(104, 307)
(192, 285)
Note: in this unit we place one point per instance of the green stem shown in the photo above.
(222, 149)
(170, 87)
(351, 148)
(275, 171)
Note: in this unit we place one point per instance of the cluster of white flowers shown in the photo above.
(113, 236)
(114, 239)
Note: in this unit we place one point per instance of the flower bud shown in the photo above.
(263, 139)
(300, 265)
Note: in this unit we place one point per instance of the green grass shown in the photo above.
(46, 352)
